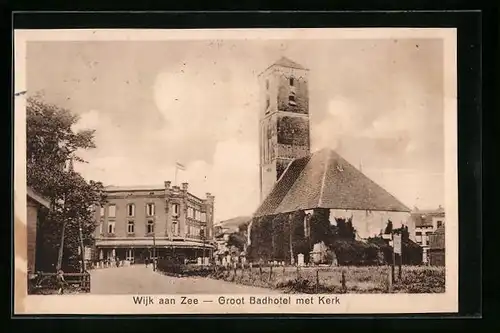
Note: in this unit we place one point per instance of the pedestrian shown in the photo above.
(147, 262)
(60, 281)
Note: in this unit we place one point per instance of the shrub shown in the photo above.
(356, 253)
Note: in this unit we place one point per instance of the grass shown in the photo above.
(371, 279)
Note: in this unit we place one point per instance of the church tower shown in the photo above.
(283, 120)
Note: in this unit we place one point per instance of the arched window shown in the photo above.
(130, 210)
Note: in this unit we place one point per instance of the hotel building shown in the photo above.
(140, 221)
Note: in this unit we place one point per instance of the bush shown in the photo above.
(356, 253)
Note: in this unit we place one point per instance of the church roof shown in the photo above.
(325, 180)
(285, 62)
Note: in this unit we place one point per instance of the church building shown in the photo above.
(292, 179)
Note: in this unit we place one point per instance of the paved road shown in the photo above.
(141, 280)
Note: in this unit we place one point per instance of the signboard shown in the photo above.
(397, 243)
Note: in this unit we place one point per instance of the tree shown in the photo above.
(52, 142)
(237, 240)
(388, 228)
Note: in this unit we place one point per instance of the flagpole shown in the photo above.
(175, 177)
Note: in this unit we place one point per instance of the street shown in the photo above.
(141, 280)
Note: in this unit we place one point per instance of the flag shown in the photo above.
(180, 166)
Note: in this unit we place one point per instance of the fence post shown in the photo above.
(270, 272)
(317, 280)
(389, 282)
(344, 287)
(260, 270)
(283, 270)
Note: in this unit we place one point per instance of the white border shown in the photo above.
(350, 303)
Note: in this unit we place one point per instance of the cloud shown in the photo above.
(231, 178)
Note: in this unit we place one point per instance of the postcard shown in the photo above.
(225, 171)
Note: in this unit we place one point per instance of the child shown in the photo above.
(60, 281)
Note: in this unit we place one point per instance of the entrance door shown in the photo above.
(130, 255)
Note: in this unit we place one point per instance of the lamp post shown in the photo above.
(154, 249)
(202, 235)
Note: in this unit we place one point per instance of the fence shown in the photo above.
(311, 279)
(47, 282)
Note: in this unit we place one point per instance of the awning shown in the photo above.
(131, 243)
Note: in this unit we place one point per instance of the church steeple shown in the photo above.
(284, 119)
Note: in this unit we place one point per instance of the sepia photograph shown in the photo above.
(236, 171)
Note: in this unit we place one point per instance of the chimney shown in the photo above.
(167, 184)
(184, 186)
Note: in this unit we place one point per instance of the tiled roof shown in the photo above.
(235, 221)
(285, 62)
(37, 197)
(325, 180)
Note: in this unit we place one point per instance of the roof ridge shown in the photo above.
(323, 180)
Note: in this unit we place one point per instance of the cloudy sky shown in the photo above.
(378, 102)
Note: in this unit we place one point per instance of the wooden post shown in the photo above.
(82, 247)
(298, 272)
(290, 231)
(260, 271)
(344, 287)
(400, 264)
(61, 248)
(317, 280)
(393, 259)
(283, 270)
(389, 282)
(270, 271)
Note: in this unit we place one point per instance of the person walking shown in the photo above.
(60, 281)
(147, 262)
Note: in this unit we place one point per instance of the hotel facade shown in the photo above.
(142, 222)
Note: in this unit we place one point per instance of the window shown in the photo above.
(439, 224)
(292, 82)
(175, 228)
(112, 211)
(191, 212)
(130, 210)
(175, 210)
(291, 99)
(130, 227)
(150, 209)
(102, 211)
(418, 233)
(111, 228)
(268, 103)
(267, 84)
(203, 217)
(150, 227)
